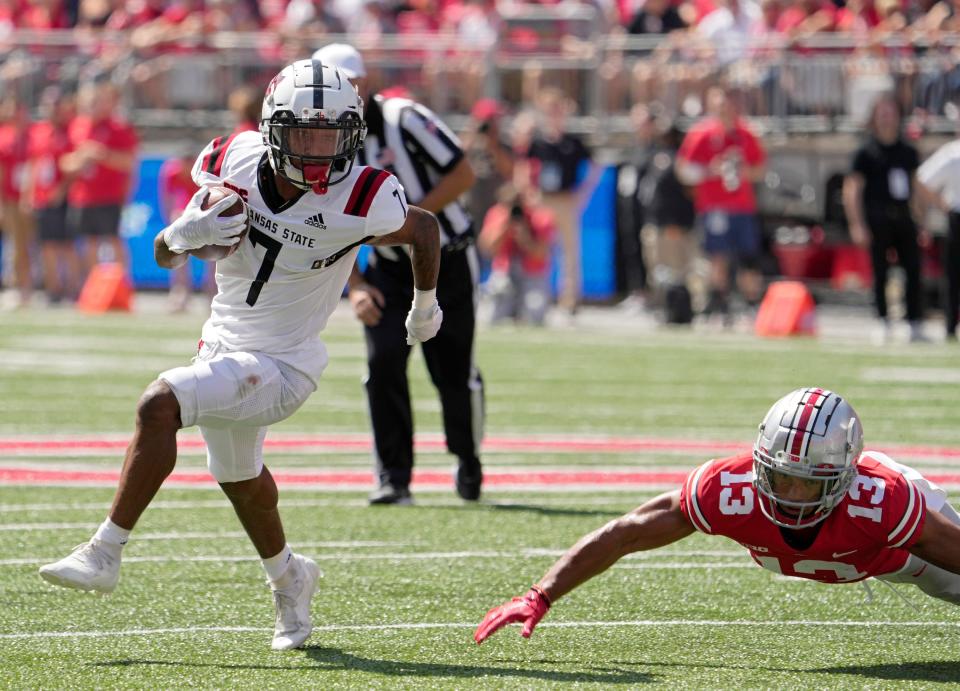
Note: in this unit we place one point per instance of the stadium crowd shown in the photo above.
(185, 56)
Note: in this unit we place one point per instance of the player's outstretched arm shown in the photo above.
(939, 542)
(422, 232)
(655, 524)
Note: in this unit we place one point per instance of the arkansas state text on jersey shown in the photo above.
(276, 292)
(866, 535)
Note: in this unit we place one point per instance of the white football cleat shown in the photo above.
(91, 566)
(292, 602)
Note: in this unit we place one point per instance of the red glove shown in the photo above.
(529, 609)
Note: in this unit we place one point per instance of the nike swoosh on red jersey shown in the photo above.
(837, 555)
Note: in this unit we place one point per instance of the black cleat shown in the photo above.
(468, 482)
(390, 494)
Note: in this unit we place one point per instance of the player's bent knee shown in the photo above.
(158, 406)
(256, 492)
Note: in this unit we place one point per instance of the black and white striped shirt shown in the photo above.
(410, 141)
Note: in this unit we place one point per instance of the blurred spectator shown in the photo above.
(669, 244)
(631, 211)
(805, 18)
(490, 156)
(39, 15)
(553, 164)
(100, 165)
(729, 27)
(876, 198)
(517, 235)
(18, 225)
(657, 75)
(655, 17)
(313, 16)
(175, 188)
(722, 159)
(938, 185)
(245, 105)
(45, 194)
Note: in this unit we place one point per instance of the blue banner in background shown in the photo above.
(142, 221)
(140, 224)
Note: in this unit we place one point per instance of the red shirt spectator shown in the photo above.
(540, 223)
(707, 144)
(99, 183)
(40, 16)
(13, 155)
(807, 17)
(47, 144)
(104, 144)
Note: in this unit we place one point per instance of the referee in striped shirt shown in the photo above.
(411, 142)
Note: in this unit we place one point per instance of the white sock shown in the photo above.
(278, 565)
(112, 534)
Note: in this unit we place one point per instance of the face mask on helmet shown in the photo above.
(804, 458)
(313, 125)
(313, 153)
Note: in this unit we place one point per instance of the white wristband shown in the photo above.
(167, 240)
(424, 299)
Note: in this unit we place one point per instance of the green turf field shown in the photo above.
(404, 587)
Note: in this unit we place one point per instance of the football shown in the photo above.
(216, 252)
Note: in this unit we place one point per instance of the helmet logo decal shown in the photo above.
(272, 86)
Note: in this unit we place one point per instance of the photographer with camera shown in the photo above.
(486, 148)
(517, 235)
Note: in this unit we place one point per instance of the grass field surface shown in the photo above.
(404, 587)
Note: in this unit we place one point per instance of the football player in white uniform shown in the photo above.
(309, 209)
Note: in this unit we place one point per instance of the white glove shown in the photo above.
(423, 321)
(198, 227)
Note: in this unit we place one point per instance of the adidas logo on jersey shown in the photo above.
(316, 222)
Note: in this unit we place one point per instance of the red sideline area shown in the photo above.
(429, 478)
(34, 476)
(360, 442)
(27, 446)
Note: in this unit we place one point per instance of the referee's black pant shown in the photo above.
(449, 358)
(951, 302)
(892, 227)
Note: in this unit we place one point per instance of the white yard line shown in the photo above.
(422, 556)
(189, 630)
(599, 500)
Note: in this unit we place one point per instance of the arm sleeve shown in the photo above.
(208, 168)
(433, 140)
(754, 151)
(904, 512)
(388, 210)
(691, 149)
(692, 495)
(934, 172)
(127, 139)
(861, 162)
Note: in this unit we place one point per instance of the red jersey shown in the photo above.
(541, 225)
(47, 144)
(867, 534)
(706, 141)
(99, 184)
(13, 162)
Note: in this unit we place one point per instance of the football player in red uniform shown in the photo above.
(808, 502)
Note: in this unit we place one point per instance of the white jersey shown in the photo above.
(276, 292)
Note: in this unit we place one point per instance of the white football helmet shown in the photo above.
(306, 98)
(810, 434)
